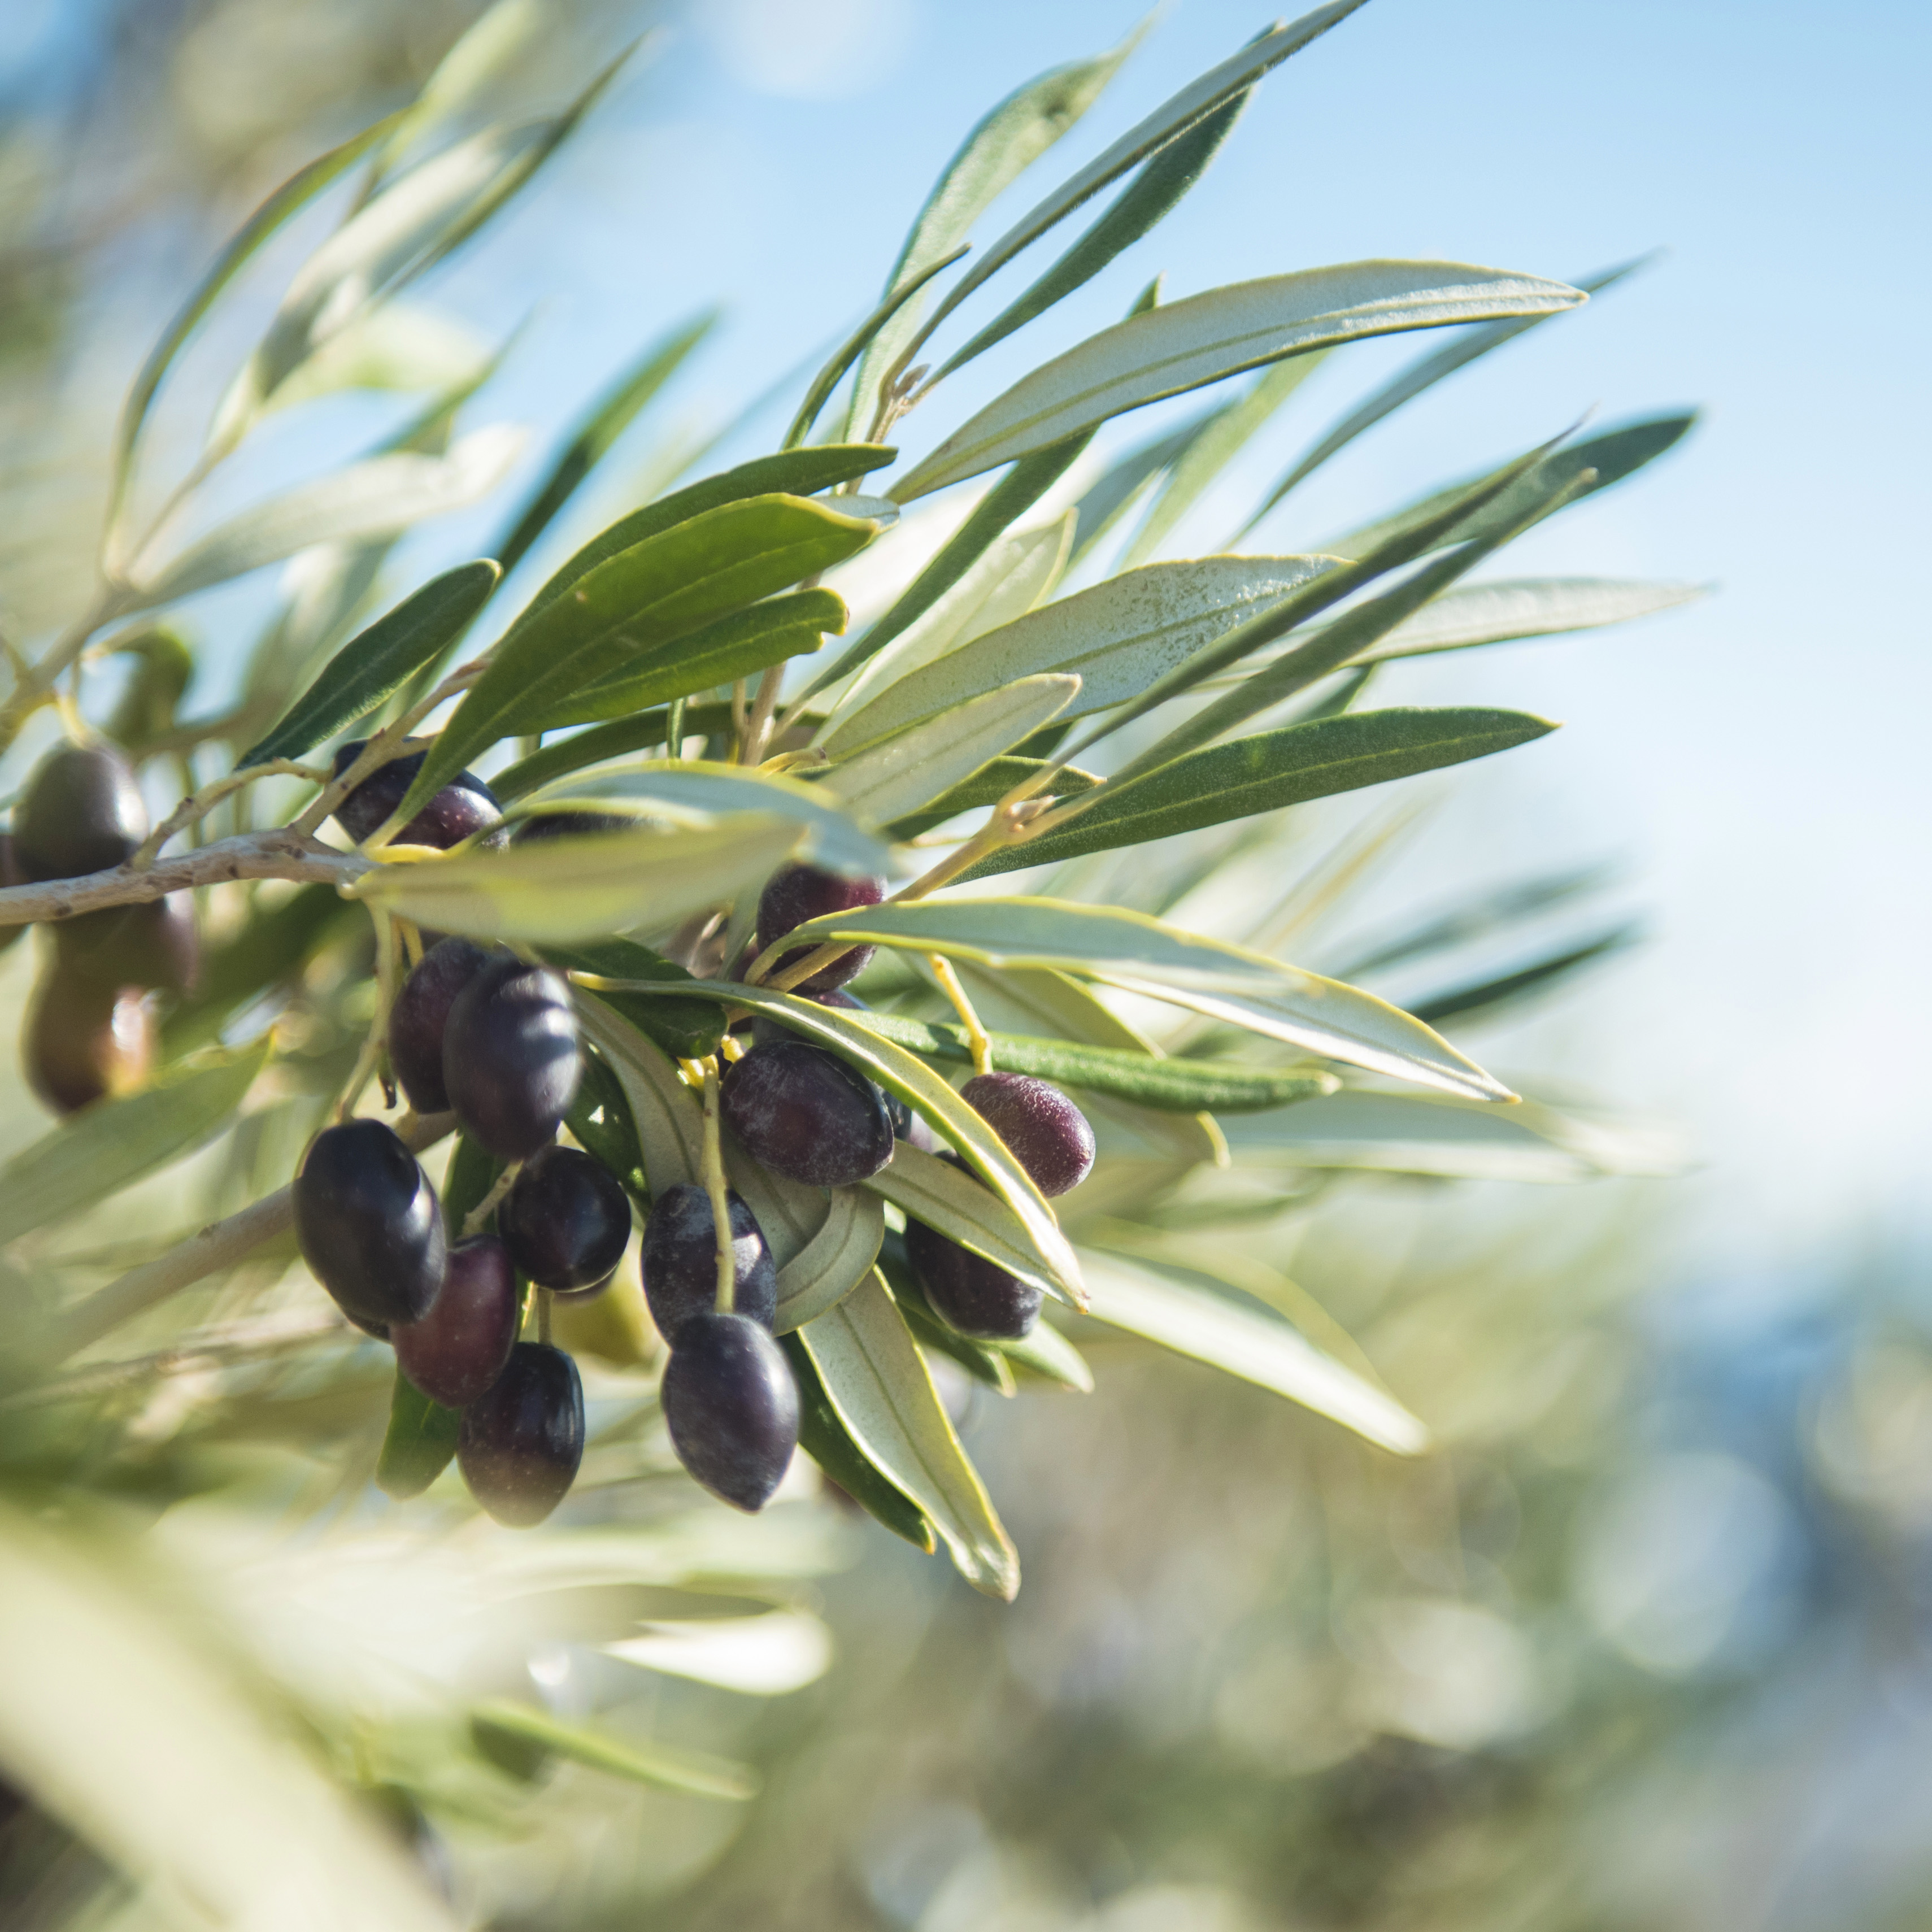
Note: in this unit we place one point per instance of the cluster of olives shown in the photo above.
(90, 1029)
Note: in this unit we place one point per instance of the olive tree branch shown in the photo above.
(191, 811)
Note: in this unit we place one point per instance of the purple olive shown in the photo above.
(455, 1353)
(421, 1012)
(153, 944)
(369, 1224)
(731, 1406)
(522, 1441)
(81, 812)
(511, 1057)
(83, 1042)
(1044, 1131)
(804, 1113)
(462, 808)
(679, 1259)
(970, 1293)
(800, 892)
(566, 1220)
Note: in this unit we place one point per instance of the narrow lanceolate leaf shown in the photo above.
(1182, 345)
(1124, 483)
(1254, 1346)
(826, 1439)
(669, 1121)
(1271, 770)
(373, 499)
(1118, 638)
(606, 420)
(673, 1768)
(1487, 996)
(621, 615)
(1220, 440)
(742, 645)
(295, 193)
(834, 1261)
(1537, 607)
(1175, 116)
(1007, 141)
(1013, 576)
(105, 1147)
(987, 786)
(1612, 456)
(1048, 1260)
(419, 1444)
(599, 1116)
(898, 776)
(1141, 955)
(693, 790)
(1172, 1086)
(576, 888)
(1045, 1353)
(1163, 179)
(955, 1205)
(687, 1029)
(373, 667)
(1004, 505)
(795, 473)
(878, 1382)
(598, 747)
(1432, 1134)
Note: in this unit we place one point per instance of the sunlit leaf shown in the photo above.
(596, 747)
(666, 1114)
(1122, 485)
(1138, 954)
(825, 1439)
(673, 1767)
(1493, 613)
(567, 889)
(1485, 996)
(1183, 345)
(105, 1147)
(987, 786)
(687, 1029)
(1253, 1345)
(374, 666)
(834, 1262)
(1044, 1352)
(876, 1380)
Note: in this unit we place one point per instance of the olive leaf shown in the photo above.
(419, 1443)
(878, 1384)
(834, 1261)
(1496, 612)
(825, 1439)
(687, 1029)
(672, 1768)
(665, 1113)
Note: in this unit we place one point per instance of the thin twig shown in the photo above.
(473, 1221)
(758, 733)
(191, 811)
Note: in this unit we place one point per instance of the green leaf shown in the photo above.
(419, 1444)
(987, 786)
(475, 57)
(741, 645)
(605, 421)
(826, 1440)
(1473, 919)
(600, 1118)
(697, 790)
(1423, 373)
(621, 615)
(1121, 485)
(1004, 505)
(1219, 440)
(266, 953)
(669, 1122)
(1043, 1351)
(106, 1147)
(1494, 613)
(795, 473)
(1183, 345)
(1175, 116)
(898, 774)
(374, 498)
(1256, 1347)
(999, 149)
(1272, 769)
(671, 1768)
(1614, 455)
(954, 1204)
(1170, 1086)
(834, 1261)
(1048, 1260)
(686, 1029)
(1484, 996)
(376, 664)
(1451, 1139)
(294, 194)
(1163, 179)
(563, 890)
(1117, 637)
(607, 741)
(1015, 574)
(880, 1388)
(1140, 955)
(399, 346)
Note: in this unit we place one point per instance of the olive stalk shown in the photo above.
(192, 810)
(978, 1043)
(473, 1222)
(714, 1187)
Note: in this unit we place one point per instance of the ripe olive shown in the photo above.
(970, 1293)
(369, 1224)
(731, 1406)
(569, 822)
(799, 893)
(1047, 1134)
(83, 1042)
(566, 1220)
(511, 1056)
(422, 1012)
(153, 944)
(81, 812)
(680, 1259)
(804, 1113)
(458, 1349)
(523, 1440)
(464, 807)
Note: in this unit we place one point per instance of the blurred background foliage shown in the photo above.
(1640, 1643)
